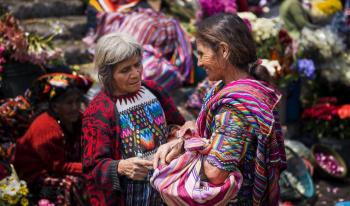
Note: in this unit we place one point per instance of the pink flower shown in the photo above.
(2, 49)
(2, 69)
(2, 60)
(44, 202)
(212, 7)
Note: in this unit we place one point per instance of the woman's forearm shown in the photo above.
(214, 174)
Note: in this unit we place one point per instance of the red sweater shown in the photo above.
(41, 152)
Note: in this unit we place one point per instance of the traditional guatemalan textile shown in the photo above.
(143, 130)
(15, 115)
(181, 183)
(112, 5)
(168, 53)
(105, 138)
(241, 122)
(195, 101)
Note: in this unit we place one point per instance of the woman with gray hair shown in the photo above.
(123, 126)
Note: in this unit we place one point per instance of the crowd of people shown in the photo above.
(130, 145)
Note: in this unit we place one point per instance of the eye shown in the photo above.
(138, 64)
(125, 70)
(200, 53)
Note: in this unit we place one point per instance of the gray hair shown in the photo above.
(112, 49)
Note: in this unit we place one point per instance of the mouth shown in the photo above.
(135, 83)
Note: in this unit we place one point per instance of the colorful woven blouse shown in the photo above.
(241, 124)
(241, 121)
(143, 130)
(142, 122)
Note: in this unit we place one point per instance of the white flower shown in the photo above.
(271, 66)
(247, 15)
(12, 188)
(56, 27)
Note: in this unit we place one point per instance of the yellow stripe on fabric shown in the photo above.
(96, 5)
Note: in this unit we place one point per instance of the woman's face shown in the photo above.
(127, 76)
(210, 61)
(68, 109)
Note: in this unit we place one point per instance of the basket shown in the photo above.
(317, 149)
(296, 182)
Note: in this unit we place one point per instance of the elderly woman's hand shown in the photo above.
(168, 152)
(134, 168)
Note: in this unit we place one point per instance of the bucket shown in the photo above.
(328, 163)
(296, 182)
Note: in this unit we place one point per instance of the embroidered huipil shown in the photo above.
(142, 122)
(143, 130)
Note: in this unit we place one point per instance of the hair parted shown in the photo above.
(112, 49)
(232, 30)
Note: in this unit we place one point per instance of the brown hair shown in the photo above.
(232, 30)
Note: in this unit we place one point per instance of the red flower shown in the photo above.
(344, 111)
(284, 37)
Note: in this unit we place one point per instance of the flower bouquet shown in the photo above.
(323, 42)
(13, 191)
(211, 7)
(327, 119)
(17, 45)
(337, 70)
(323, 10)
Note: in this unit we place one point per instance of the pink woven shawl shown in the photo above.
(180, 182)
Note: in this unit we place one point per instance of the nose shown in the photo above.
(136, 72)
(76, 106)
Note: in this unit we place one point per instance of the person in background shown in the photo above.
(239, 115)
(124, 125)
(167, 56)
(295, 17)
(48, 156)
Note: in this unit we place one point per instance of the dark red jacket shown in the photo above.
(101, 147)
(42, 151)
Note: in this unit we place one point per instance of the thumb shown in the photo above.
(171, 156)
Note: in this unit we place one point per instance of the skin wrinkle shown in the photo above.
(127, 76)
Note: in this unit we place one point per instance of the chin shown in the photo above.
(135, 88)
(213, 78)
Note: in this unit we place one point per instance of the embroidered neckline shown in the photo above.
(131, 97)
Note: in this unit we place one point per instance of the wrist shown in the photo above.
(120, 167)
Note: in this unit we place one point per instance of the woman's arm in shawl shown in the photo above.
(228, 147)
(99, 146)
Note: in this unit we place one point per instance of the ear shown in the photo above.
(225, 51)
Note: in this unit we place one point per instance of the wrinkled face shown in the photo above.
(127, 76)
(68, 109)
(210, 61)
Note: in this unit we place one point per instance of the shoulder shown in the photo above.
(45, 122)
(248, 86)
(154, 87)
(101, 103)
(43, 127)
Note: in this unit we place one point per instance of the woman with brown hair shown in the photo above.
(238, 118)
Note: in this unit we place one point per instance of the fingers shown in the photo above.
(172, 155)
(160, 155)
(144, 163)
(137, 173)
(156, 160)
(163, 154)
